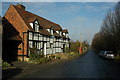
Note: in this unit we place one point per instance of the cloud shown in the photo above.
(76, 17)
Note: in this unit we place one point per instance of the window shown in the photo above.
(64, 34)
(30, 44)
(39, 46)
(35, 44)
(60, 33)
(35, 36)
(67, 35)
(51, 31)
(36, 26)
(30, 35)
(51, 45)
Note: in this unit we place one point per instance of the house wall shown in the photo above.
(36, 40)
(30, 39)
(15, 19)
(53, 44)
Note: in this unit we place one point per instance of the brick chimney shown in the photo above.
(20, 6)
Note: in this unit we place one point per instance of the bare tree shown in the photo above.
(108, 37)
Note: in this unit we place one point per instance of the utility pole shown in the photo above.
(80, 39)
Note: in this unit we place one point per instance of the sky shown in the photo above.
(60, 0)
(82, 19)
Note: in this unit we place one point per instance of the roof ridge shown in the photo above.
(38, 17)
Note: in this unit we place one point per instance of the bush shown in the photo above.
(73, 54)
(43, 60)
(40, 60)
(74, 46)
(18, 59)
(35, 54)
(5, 64)
(52, 56)
(67, 50)
(57, 57)
(37, 57)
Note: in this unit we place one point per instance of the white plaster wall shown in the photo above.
(31, 24)
(57, 32)
(48, 30)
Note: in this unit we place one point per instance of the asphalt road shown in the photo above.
(89, 65)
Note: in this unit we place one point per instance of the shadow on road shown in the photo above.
(9, 73)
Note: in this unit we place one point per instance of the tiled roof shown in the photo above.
(44, 32)
(65, 31)
(25, 18)
(56, 35)
(30, 17)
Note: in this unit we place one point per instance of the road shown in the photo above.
(89, 65)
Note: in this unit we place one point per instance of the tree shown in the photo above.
(109, 35)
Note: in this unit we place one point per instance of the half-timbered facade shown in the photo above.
(30, 30)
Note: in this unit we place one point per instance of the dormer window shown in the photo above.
(64, 34)
(51, 32)
(60, 33)
(36, 26)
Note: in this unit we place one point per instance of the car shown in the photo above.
(102, 53)
(107, 54)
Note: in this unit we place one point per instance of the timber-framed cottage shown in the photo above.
(23, 30)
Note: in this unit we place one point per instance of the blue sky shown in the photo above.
(78, 17)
